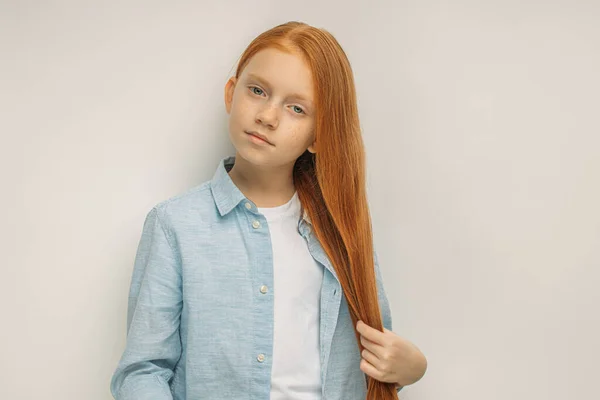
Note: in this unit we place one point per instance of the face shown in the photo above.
(273, 97)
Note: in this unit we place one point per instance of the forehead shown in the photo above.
(284, 72)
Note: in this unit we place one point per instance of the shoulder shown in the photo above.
(185, 207)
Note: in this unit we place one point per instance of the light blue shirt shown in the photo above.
(199, 320)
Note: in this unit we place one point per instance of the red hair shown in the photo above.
(331, 184)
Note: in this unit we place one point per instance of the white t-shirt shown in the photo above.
(296, 370)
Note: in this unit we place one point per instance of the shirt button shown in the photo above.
(263, 289)
(248, 206)
(261, 358)
(256, 224)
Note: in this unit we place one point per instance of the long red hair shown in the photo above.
(331, 184)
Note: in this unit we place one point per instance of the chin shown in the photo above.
(251, 155)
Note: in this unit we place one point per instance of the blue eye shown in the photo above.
(301, 110)
(254, 87)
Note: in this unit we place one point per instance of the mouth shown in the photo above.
(258, 137)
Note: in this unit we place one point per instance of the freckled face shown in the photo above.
(273, 97)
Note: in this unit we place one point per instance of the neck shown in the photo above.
(265, 186)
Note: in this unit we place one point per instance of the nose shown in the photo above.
(268, 116)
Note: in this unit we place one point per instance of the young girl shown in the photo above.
(263, 282)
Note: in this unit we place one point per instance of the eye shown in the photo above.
(254, 87)
(301, 110)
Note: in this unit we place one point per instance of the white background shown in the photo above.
(481, 121)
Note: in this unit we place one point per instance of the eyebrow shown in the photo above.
(264, 81)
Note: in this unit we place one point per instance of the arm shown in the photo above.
(153, 345)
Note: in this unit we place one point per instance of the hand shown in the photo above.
(389, 358)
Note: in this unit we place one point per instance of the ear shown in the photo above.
(313, 147)
(229, 88)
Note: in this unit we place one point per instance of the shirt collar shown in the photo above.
(226, 194)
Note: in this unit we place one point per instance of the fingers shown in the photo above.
(371, 358)
(373, 347)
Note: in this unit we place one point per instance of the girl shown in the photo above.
(263, 282)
